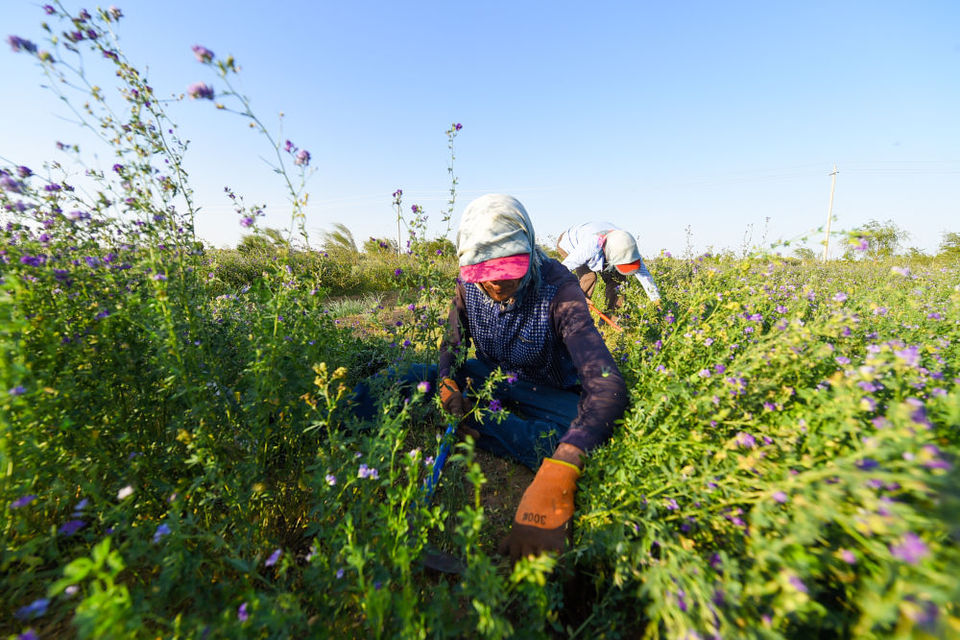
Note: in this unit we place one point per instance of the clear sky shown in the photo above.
(692, 123)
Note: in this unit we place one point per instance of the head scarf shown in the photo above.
(620, 248)
(497, 226)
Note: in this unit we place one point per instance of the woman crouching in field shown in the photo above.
(526, 315)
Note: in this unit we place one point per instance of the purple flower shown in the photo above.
(672, 504)
(797, 584)
(867, 464)
(29, 634)
(71, 527)
(162, 530)
(911, 549)
(242, 614)
(35, 609)
(495, 406)
(19, 44)
(704, 373)
(398, 272)
(511, 377)
(289, 147)
(18, 390)
(49, 9)
(200, 90)
(115, 12)
(246, 221)
(331, 479)
(22, 501)
(423, 386)
(746, 440)
(367, 472)
(457, 127)
(848, 556)
(202, 53)
(840, 297)
(272, 560)
(302, 159)
(780, 496)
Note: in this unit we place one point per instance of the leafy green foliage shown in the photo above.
(179, 457)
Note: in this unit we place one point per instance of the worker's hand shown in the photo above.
(457, 404)
(543, 519)
(452, 400)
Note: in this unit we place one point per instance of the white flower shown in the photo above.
(124, 493)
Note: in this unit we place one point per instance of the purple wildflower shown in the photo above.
(780, 496)
(242, 614)
(35, 609)
(162, 531)
(511, 377)
(797, 584)
(29, 634)
(23, 501)
(302, 159)
(71, 527)
(746, 440)
(367, 472)
(672, 504)
(200, 90)
(48, 8)
(840, 297)
(331, 479)
(246, 221)
(423, 386)
(457, 127)
(18, 390)
(202, 53)
(398, 271)
(272, 560)
(911, 549)
(848, 556)
(20, 44)
(495, 406)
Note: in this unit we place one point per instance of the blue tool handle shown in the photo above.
(438, 462)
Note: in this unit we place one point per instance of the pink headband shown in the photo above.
(507, 268)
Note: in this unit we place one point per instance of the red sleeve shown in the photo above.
(604, 396)
(457, 336)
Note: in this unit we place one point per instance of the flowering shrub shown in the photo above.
(179, 458)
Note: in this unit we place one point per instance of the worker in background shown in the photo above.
(601, 247)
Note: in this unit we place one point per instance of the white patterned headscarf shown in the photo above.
(497, 226)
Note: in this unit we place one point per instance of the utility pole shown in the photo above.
(833, 185)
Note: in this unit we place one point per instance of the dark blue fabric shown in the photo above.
(537, 415)
(520, 338)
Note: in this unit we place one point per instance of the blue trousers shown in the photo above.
(537, 418)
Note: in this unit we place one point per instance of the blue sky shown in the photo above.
(700, 124)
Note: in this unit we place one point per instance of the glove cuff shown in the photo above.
(563, 463)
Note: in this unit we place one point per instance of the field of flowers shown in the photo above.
(179, 459)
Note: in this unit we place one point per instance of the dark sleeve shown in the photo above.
(604, 397)
(457, 335)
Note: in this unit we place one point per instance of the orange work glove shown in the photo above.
(458, 404)
(543, 518)
(452, 400)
